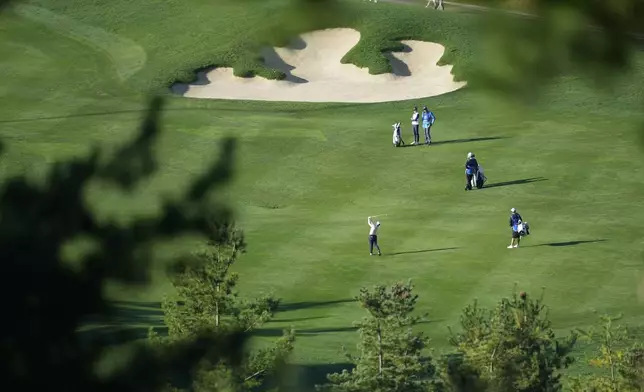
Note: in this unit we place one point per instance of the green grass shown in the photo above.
(308, 175)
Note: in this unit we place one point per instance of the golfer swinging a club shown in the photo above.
(373, 235)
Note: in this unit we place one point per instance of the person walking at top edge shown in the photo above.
(428, 121)
(515, 220)
(414, 126)
(373, 235)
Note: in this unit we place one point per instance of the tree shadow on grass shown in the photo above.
(295, 320)
(474, 139)
(129, 321)
(566, 243)
(438, 143)
(127, 313)
(138, 304)
(515, 182)
(114, 335)
(420, 251)
(304, 377)
(276, 332)
(179, 90)
(311, 304)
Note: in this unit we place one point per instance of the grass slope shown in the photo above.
(308, 175)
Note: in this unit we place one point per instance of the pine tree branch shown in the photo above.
(492, 358)
(257, 373)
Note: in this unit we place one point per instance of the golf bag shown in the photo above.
(397, 137)
(524, 229)
(478, 179)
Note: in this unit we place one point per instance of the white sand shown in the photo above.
(315, 74)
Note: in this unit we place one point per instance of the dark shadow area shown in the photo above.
(129, 316)
(295, 320)
(129, 321)
(277, 332)
(515, 182)
(421, 251)
(139, 304)
(399, 68)
(304, 377)
(567, 243)
(126, 314)
(274, 61)
(311, 304)
(297, 43)
(474, 139)
(202, 77)
(116, 335)
(304, 108)
(202, 80)
(179, 88)
(80, 115)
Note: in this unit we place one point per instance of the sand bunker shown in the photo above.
(315, 74)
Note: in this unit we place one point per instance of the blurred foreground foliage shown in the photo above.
(521, 53)
(48, 300)
(597, 38)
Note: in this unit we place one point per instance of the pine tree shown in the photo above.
(619, 360)
(207, 299)
(513, 347)
(392, 357)
(456, 375)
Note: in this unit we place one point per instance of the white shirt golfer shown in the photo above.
(373, 235)
(374, 226)
(414, 118)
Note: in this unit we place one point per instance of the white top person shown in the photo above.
(373, 235)
(373, 226)
(414, 117)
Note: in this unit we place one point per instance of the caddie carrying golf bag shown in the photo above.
(478, 178)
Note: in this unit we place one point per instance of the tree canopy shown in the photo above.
(207, 299)
(512, 347)
(391, 356)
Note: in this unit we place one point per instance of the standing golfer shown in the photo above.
(515, 221)
(414, 125)
(373, 235)
(428, 121)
